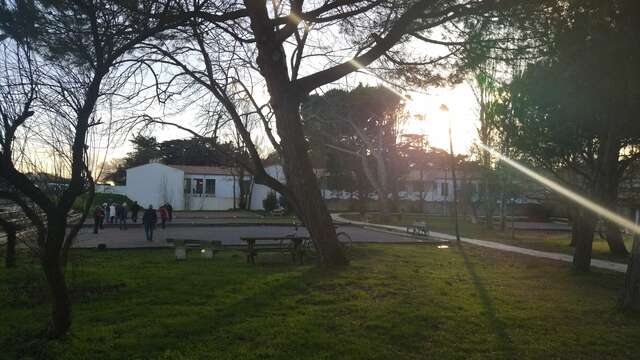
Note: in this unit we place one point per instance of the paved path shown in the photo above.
(229, 235)
(602, 264)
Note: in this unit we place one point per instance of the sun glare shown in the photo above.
(426, 118)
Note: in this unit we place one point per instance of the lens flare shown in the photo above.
(569, 194)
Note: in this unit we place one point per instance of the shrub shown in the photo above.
(284, 203)
(270, 202)
(99, 199)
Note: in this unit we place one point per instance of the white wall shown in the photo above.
(155, 184)
(260, 191)
(223, 198)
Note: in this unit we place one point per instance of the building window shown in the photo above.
(198, 186)
(444, 189)
(246, 186)
(210, 187)
(187, 186)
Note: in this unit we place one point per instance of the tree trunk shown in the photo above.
(573, 216)
(607, 186)
(615, 240)
(421, 205)
(503, 209)
(304, 185)
(61, 303)
(61, 307)
(631, 297)
(584, 225)
(383, 204)
(10, 256)
(363, 195)
(53, 267)
(285, 101)
(574, 234)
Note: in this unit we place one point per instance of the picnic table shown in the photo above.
(418, 228)
(278, 212)
(285, 243)
(208, 248)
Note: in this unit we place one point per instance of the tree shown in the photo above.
(363, 123)
(193, 151)
(145, 149)
(415, 149)
(485, 88)
(68, 55)
(238, 43)
(575, 108)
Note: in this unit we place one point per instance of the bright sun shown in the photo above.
(426, 118)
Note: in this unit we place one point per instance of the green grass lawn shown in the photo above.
(554, 241)
(393, 302)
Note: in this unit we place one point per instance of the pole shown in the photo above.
(455, 191)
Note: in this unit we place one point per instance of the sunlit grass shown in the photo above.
(393, 302)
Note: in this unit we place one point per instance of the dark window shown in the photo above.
(187, 186)
(198, 187)
(210, 186)
(246, 185)
(444, 189)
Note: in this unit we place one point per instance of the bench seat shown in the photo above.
(208, 248)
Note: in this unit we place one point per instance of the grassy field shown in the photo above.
(393, 302)
(554, 241)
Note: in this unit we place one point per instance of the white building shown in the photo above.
(188, 187)
(184, 187)
(437, 185)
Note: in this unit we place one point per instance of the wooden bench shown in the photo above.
(282, 244)
(278, 212)
(208, 248)
(418, 228)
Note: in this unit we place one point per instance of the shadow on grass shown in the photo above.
(498, 326)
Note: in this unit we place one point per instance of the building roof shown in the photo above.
(204, 170)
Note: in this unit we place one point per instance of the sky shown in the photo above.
(425, 118)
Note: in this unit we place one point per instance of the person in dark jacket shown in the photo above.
(149, 219)
(122, 220)
(98, 218)
(134, 211)
(107, 210)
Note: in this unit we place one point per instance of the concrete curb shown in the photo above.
(195, 224)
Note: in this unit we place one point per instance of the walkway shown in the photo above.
(601, 264)
(228, 234)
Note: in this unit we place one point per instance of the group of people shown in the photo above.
(114, 213)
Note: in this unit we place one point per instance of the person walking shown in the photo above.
(134, 211)
(169, 211)
(123, 216)
(164, 215)
(112, 213)
(98, 218)
(107, 209)
(149, 219)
